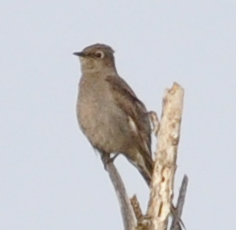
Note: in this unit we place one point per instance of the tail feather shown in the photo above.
(144, 163)
(146, 170)
(146, 176)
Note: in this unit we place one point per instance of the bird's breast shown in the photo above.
(95, 104)
(100, 118)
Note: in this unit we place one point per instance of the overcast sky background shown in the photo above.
(50, 177)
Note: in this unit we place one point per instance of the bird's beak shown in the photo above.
(80, 54)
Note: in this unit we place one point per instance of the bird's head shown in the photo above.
(96, 58)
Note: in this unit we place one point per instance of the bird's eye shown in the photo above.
(99, 54)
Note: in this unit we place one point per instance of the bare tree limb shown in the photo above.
(180, 203)
(165, 163)
(143, 221)
(136, 207)
(124, 202)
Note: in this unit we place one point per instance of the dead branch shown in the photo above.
(175, 225)
(136, 207)
(129, 221)
(165, 163)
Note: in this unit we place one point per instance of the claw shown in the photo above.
(106, 159)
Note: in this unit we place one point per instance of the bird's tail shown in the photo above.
(144, 163)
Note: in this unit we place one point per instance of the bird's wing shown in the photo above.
(137, 114)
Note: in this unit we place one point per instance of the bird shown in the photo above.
(110, 114)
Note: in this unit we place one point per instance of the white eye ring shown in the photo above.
(99, 54)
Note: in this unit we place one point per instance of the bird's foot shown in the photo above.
(106, 159)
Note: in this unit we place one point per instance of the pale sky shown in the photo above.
(50, 176)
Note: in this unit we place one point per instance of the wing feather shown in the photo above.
(136, 111)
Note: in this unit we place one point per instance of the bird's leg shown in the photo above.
(114, 157)
(106, 159)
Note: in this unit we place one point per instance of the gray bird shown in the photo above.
(109, 113)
